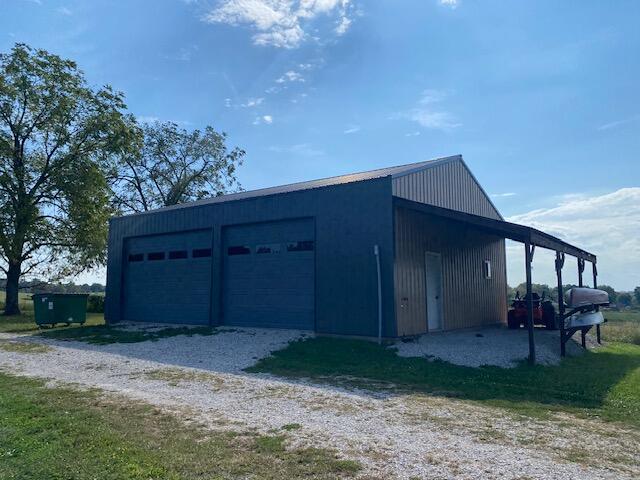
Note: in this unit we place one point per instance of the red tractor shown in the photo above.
(544, 313)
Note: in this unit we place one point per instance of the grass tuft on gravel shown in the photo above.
(62, 433)
(106, 334)
(23, 347)
(603, 382)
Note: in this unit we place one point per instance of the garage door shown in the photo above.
(269, 274)
(167, 278)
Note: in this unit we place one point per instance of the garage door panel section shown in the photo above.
(167, 278)
(269, 274)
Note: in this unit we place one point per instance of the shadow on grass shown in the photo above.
(607, 380)
(25, 323)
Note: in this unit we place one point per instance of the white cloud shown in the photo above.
(427, 115)
(606, 225)
(618, 123)
(430, 96)
(502, 195)
(412, 134)
(154, 119)
(266, 119)
(303, 149)
(65, 11)
(299, 97)
(343, 25)
(352, 129)
(433, 120)
(450, 3)
(280, 23)
(290, 76)
(253, 102)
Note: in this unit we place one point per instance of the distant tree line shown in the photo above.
(618, 299)
(41, 286)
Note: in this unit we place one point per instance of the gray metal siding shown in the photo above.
(168, 290)
(469, 299)
(448, 185)
(350, 219)
(268, 280)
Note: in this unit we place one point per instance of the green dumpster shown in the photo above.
(53, 308)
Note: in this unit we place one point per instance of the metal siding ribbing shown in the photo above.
(168, 290)
(350, 219)
(448, 185)
(468, 298)
(274, 289)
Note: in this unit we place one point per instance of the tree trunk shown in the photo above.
(12, 305)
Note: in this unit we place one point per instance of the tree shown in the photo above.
(613, 295)
(636, 295)
(624, 299)
(539, 288)
(175, 166)
(55, 136)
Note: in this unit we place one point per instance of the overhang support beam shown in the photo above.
(580, 271)
(528, 258)
(559, 264)
(595, 285)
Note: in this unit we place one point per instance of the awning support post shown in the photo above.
(528, 257)
(595, 285)
(559, 265)
(580, 270)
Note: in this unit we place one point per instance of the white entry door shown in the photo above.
(433, 267)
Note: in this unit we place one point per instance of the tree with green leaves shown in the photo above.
(174, 166)
(636, 295)
(56, 135)
(624, 299)
(613, 295)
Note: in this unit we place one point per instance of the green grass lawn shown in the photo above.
(604, 382)
(24, 300)
(25, 323)
(60, 433)
(622, 326)
(94, 331)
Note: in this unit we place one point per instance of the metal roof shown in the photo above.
(396, 171)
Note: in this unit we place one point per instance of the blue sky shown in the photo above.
(541, 98)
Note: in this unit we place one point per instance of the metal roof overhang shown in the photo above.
(512, 231)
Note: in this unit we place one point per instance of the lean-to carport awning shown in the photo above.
(512, 231)
(531, 238)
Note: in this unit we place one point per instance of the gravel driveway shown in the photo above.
(497, 346)
(394, 436)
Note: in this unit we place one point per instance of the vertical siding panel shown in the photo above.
(449, 185)
(468, 298)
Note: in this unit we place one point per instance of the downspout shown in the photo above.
(376, 252)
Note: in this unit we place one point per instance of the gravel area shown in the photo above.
(393, 435)
(497, 346)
